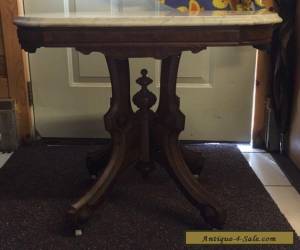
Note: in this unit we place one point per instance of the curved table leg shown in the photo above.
(170, 123)
(96, 161)
(81, 210)
(194, 160)
(192, 189)
(119, 121)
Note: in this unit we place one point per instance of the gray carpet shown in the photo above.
(39, 182)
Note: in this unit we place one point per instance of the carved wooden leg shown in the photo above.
(194, 160)
(96, 161)
(120, 123)
(170, 123)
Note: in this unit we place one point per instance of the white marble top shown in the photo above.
(137, 13)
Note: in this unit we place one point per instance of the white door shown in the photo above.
(71, 91)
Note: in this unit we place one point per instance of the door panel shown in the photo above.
(72, 90)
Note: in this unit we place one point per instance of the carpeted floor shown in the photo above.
(39, 182)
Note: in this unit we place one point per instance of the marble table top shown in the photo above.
(139, 13)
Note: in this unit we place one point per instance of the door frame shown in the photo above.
(17, 61)
(263, 79)
(17, 69)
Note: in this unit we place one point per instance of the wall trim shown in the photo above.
(17, 70)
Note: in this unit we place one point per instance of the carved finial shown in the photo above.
(144, 72)
(144, 99)
(144, 80)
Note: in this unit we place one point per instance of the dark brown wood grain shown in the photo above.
(141, 42)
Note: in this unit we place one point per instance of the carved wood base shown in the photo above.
(96, 161)
(144, 138)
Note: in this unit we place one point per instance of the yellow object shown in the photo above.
(183, 9)
(194, 7)
(239, 7)
(239, 238)
(260, 3)
(221, 4)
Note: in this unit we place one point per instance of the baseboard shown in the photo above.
(101, 141)
(291, 171)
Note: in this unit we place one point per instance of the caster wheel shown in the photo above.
(215, 218)
(78, 232)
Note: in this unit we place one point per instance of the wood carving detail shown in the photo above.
(144, 100)
(137, 42)
(147, 139)
(145, 136)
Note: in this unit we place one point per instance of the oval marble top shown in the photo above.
(139, 13)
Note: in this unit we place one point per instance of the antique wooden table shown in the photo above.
(145, 136)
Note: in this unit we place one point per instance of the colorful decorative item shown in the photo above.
(196, 6)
